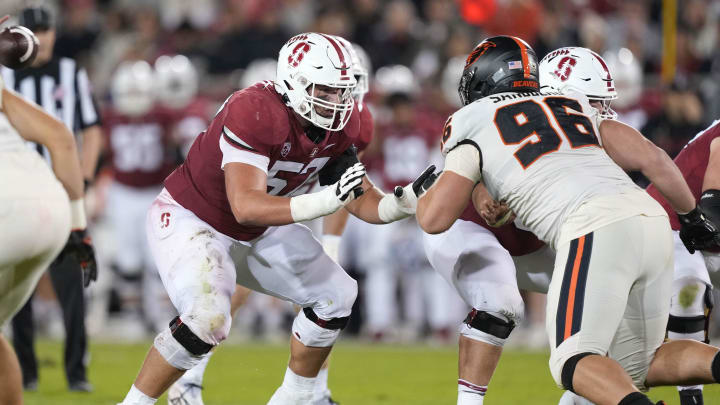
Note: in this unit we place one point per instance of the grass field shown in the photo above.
(362, 374)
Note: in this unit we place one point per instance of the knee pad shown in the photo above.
(692, 303)
(503, 299)
(175, 352)
(568, 370)
(313, 331)
(486, 327)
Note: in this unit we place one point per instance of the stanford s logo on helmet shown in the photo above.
(298, 53)
(499, 64)
(580, 70)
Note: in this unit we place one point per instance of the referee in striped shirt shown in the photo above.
(61, 88)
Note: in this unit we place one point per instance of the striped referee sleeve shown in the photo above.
(87, 107)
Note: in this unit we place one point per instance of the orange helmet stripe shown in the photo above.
(523, 52)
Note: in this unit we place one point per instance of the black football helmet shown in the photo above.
(499, 64)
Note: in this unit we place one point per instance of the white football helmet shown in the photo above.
(396, 79)
(258, 71)
(360, 68)
(176, 80)
(582, 70)
(132, 88)
(309, 60)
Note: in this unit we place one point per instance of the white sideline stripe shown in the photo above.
(236, 138)
(231, 154)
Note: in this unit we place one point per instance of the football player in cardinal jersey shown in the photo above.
(555, 162)
(695, 272)
(229, 215)
(143, 151)
(36, 216)
(188, 389)
(582, 70)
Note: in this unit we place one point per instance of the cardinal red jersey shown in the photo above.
(367, 127)
(253, 126)
(142, 151)
(692, 162)
(514, 240)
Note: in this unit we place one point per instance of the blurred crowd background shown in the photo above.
(416, 50)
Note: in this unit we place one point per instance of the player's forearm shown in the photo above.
(366, 207)
(257, 208)
(668, 179)
(35, 125)
(91, 148)
(436, 213)
(711, 181)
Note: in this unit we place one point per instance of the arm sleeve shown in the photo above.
(465, 160)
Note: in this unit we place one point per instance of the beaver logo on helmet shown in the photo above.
(479, 50)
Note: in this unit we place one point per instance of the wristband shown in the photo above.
(389, 210)
(314, 205)
(78, 221)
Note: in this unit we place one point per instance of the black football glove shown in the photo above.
(421, 184)
(335, 168)
(79, 248)
(697, 232)
(710, 205)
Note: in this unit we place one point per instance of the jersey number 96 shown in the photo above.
(527, 119)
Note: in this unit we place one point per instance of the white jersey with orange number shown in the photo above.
(542, 155)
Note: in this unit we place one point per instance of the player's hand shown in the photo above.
(79, 247)
(348, 187)
(697, 232)
(335, 168)
(497, 214)
(406, 197)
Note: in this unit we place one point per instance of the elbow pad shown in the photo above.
(710, 204)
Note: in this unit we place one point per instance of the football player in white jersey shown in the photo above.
(36, 216)
(582, 70)
(542, 155)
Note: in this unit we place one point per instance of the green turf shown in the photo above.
(362, 374)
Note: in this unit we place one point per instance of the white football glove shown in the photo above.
(348, 187)
(330, 199)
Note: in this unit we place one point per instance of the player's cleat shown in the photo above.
(183, 393)
(691, 397)
(80, 386)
